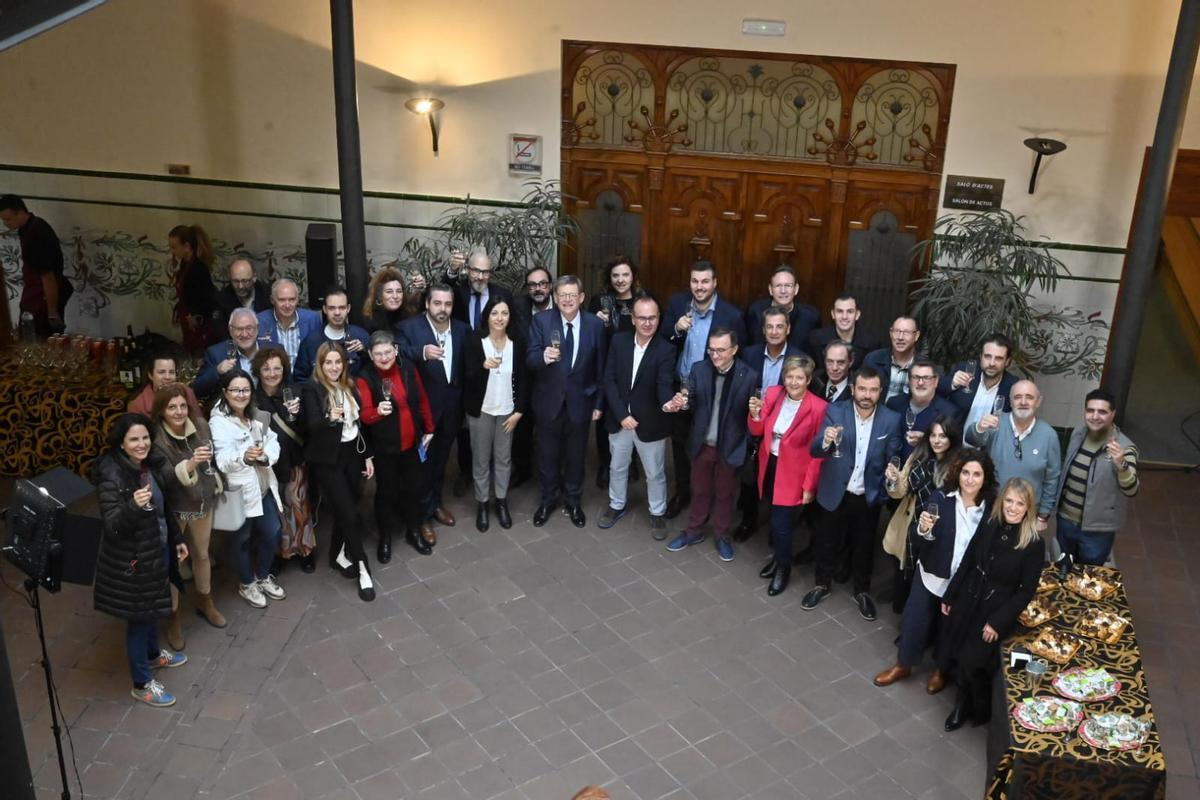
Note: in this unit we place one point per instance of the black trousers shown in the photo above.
(853, 522)
(681, 426)
(562, 449)
(399, 492)
(603, 454)
(341, 490)
(438, 457)
(522, 449)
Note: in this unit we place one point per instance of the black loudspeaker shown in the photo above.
(320, 248)
(76, 541)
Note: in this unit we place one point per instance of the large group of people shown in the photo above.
(841, 441)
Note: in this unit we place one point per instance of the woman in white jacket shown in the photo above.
(246, 447)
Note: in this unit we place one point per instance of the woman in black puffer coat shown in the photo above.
(137, 559)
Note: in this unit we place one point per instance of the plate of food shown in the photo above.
(1115, 731)
(1086, 684)
(1092, 583)
(1103, 625)
(1055, 645)
(1039, 611)
(1048, 714)
(1048, 582)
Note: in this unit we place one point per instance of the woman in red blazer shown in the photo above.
(787, 419)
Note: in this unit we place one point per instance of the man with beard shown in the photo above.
(691, 315)
(857, 439)
(338, 329)
(920, 404)
(845, 328)
(535, 300)
(1022, 446)
(244, 290)
(237, 351)
(472, 294)
(436, 343)
(782, 294)
(975, 397)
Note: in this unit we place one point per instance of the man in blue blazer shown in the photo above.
(337, 328)
(237, 351)
(851, 490)
(436, 343)
(286, 323)
(689, 318)
(893, 363)
(718, 440)
(802, 319)
(974, 393)
(921, 404)
(566, 394)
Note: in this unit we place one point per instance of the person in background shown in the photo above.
(136, 564)
(923, 473)
(337, 330)
(691, 315)
(384, 309)
(833, 380)
(286, 323)
(159, 369)
(235, 353)
(277, 396)
(845, 328)
(782, 293)
(997, 578)
(245, 290)
(399, 423)
(920, 405)
(474, 288)
(1099, 476)
(894, 363)
(196, 311)
(533, 301)
(340, 457)
(182, 438)
(973, 388)
(788, 419)
(246, 448)
(45, 289)
(939, 545)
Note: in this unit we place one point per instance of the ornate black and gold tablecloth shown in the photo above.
(1060, 766)
(53, 417)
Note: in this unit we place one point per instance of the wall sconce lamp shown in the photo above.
(427, 107)
(1043, 147)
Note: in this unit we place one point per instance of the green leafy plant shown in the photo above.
(978, 271)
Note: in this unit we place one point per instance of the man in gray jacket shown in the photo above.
(1099, 475)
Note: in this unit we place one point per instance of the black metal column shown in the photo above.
(17, 779)
(1147, 226)
(345, 100)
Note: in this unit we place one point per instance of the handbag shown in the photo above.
(895, 538)
(230, 512)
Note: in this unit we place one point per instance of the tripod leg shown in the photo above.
(35, 600)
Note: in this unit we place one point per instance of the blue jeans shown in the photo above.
(783, 522)
(141, 645)
(265, 544)
(1086, 547)
(920, 612)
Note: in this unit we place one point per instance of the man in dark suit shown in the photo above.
(766, 359)
(833, 381)
(717, 443)
(533, 301)
(893, 363)
(802, 318)
(237, 351)
(473, 288)
(976, 397)
(244, 290)
(638, 382)
(566, 394)
(690, 316)
(436, 344)
(851, 490)
(845, 327)
(921, 404)
(337, 328)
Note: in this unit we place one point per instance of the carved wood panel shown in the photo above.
(785, 220)
(702, 218)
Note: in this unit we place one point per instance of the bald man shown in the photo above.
(245, 290)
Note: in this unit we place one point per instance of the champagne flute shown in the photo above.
(385, 391)
(288, 395)
(757, 394)
(207, 469)
(1112, 437)
(932, 510)
(606, 305)
(910, 419)
(556, 340)
(894, 462)
(972, 368)
(998, 406)
(257, 434)
(837, 440)
(685, 390)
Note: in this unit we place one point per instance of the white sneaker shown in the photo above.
(271, 589)
(252, 595)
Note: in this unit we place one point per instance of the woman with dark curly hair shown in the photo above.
(385, 307)
(139, 553)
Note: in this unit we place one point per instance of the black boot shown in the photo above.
(768, 570)
(959, 715)
(779, 580)
(502, 515)
(384, 551)
(481, 517)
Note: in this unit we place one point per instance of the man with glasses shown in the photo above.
(1022, 446)
(638, 382)
(237, 351)
(781, 290)
(920, 405)
(244, 290)
(566, 355)
(337, 329)
(721, 386)
(533, 301)
(286, 323)
(471, 295)
(895, 363)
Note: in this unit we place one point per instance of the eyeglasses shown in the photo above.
(475, 271)
(241, 281)
(898, 332)
(568, 295)
(244, 328)
(645, 320)
(922, 378)
(238, 391)
(718, 351)
(537, 284)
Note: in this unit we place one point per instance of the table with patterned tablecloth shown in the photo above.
(1061, 766)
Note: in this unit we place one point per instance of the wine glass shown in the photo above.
(556, 339)
(998, 406)
(972, 368)
(231, 352)
(144, 483)
(932, 510)
(837, 440)
(288, 395)
(685, 390)
(1112, 437)
(757, 394)
(386, 391)
(607, 306)
(207, 469)
(910, 419)
(257, 434)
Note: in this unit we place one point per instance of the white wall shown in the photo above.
(242, 89)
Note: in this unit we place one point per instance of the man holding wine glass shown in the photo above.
(973, 385)
(920, 405)
(894, 363)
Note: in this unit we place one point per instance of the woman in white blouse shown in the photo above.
(495, 397)
(942, 532)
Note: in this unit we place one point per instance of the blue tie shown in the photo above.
(570, 345)
(476, 302)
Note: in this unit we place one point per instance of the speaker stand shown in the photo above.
(31, 588)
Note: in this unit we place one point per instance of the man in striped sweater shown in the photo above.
(1099, 475)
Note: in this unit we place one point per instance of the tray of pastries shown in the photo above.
(1103, 625)
(1092, 583)
(1048, 582)
(1055, 645)
(1039, 611)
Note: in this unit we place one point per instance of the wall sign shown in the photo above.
(524, 155)
(973, 194)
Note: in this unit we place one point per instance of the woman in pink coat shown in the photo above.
(787, 419)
